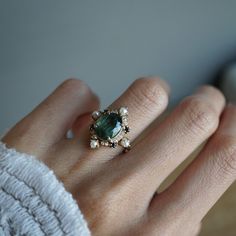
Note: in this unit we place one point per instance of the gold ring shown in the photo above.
(109, 129)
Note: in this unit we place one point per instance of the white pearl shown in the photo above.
(94, 143)
(123, 111)
(125, 142)
(96, 114)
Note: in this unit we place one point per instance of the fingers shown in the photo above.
(48, 122)
(146, 99)
(168, 144)
(209, 176)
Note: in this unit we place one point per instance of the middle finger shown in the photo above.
(167, 145)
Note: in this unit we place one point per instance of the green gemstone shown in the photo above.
(108, 126)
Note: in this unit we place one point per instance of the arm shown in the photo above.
(33, 201)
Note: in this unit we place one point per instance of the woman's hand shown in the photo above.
(115, 191)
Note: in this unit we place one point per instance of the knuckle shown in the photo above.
(149, 93)
(200, 116)
(226, 154)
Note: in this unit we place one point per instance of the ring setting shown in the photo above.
(110, 128)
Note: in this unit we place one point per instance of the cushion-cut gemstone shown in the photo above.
(108, 126)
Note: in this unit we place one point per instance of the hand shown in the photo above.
(116, 192)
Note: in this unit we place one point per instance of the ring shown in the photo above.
(109, 128)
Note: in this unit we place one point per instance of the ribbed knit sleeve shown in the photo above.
(33, 201)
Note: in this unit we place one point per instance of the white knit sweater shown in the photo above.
(33, 201)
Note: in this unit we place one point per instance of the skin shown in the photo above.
(117, 192)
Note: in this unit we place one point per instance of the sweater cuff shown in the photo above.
(33, 201)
